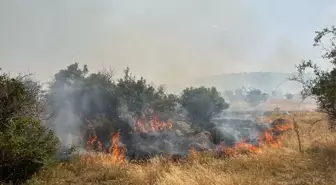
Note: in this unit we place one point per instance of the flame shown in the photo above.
(269, 137)
(155, 124)
(283, 127)
(115, 156)
(90, 144)
(118, 153)
(239, 148)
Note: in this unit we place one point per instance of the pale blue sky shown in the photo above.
(170, 41)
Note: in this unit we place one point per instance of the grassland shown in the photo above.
(284, 165)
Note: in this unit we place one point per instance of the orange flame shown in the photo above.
(118, 153)
(266, 138)
(90, 144)
(239, 148)
(269, 139)
(115, 156)
(155, 124)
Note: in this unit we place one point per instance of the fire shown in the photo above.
(283, 127)
(239, 148)
(115, 156)
(117, 152)
(155, 124)
(90, 144)
(269, 137)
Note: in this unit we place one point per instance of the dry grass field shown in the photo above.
(283, 165)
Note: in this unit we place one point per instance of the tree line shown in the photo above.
(30, 116)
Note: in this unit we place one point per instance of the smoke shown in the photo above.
(170, 42)
(65, 121)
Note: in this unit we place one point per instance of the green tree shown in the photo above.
(78, 99)
(25, 143)
(140, 96)
(96, 100)
(202, 104)
(322, 86)
(255, 96)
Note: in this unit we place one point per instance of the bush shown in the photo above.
(25, 144)
(202, 104)
(79, 100)
(255, 96)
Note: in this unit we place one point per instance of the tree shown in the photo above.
(322, 86)
(25, 143)
(80, 100)
(255, 96)
(202, 104)
(289, 96)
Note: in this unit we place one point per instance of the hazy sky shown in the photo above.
(169, 41)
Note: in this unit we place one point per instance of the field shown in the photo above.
(282, 165)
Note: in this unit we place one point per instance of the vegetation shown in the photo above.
(252, 96)
(77, 98)
(92, 100)
(25, 143)
(289, 96)
(202, 104)
(285, 165)
(255, 96)
(323, 85)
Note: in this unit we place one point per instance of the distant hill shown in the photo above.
(266, 81)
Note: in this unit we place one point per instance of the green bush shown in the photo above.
(202, 104)
(25, 144)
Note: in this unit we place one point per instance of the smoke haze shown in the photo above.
(169, 42)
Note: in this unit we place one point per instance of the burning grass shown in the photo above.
(276, 161)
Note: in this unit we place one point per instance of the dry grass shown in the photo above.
(285, 165)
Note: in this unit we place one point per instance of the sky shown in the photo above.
(168, 42)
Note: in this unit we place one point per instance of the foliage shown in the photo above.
(140, 96)
(255, 96)
(97, 100)
(322, 86)
(236, 95)
(202, 103)
(284, 165)
(25, 144)
(289, 96)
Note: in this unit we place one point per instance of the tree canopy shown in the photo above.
(255, 96)
(322, 86)
(202, 103)
(25, 143)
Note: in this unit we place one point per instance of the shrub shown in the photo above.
(25, 144)
(255, 96)
(202, 104)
